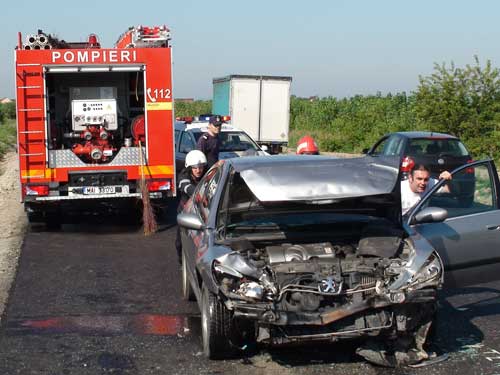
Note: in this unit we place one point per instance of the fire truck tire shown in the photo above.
(52, 222)
(35, 217)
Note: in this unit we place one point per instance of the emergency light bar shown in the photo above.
(202, 118)
(186, 119)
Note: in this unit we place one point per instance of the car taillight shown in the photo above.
(158, 185)
(39, 190)
(471, 169)
(407, 164)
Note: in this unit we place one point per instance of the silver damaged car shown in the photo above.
(290, 249)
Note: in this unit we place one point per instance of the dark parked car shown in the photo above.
(438, 151)
(290, 249)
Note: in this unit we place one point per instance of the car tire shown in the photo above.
(187, 290)
(215, 327)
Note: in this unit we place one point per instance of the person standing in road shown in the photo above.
(419, 182)
(189, 177)
(209, 143)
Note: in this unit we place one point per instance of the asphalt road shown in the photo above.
(100, 298)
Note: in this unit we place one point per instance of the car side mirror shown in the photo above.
(190, 221)
(430, 215)
(365, 150)
(264, 148)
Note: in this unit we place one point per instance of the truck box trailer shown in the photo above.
(260, 105)
(91, 122)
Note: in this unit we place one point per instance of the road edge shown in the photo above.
(13, 225)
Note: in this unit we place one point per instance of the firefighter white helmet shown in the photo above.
(195, 158)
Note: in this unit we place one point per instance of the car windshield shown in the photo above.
(233, 141)
(436, 146)
(242, 214)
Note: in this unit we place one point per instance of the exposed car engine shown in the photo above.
(313, 275)
(326, 290)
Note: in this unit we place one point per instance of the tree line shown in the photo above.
(463, 101)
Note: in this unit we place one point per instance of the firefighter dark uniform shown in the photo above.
(210, 146)
(186, 186)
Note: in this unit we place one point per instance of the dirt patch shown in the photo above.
(13, 224)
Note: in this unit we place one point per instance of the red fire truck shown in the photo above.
(92, 121)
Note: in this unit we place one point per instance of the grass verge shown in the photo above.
(7, 136)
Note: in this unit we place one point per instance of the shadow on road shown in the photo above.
(329, 353)
(455, 330)
(105, 219)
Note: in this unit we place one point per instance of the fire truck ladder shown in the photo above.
(31, 120)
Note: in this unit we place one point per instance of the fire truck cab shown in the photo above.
(93, 122)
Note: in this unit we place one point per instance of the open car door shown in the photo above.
(468, 240)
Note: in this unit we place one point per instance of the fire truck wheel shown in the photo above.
(52, 222)
(35, 217)
(52, 219)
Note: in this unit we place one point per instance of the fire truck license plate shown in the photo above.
(91, 190)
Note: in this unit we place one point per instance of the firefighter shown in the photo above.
(307, 146)
(196, 164)
(209, 143)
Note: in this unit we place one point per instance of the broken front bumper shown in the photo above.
(369, 316)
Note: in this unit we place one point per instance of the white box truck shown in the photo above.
(259, 105)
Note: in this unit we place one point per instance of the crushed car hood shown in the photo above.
(316, 178)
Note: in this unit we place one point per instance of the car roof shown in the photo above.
(310, 177)
(202, 126)
(424, 134)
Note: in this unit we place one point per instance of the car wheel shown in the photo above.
(215, 327)
(187, 291)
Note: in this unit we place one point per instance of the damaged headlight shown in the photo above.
(251, 290)
(235, 264)
(236, 275)
(395, 296)
(429, 274)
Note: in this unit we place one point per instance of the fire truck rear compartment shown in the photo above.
(113, 101)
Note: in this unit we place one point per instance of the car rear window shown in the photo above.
(436, 146)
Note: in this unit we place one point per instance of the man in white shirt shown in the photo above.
(419, 182)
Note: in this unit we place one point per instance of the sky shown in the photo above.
(330, 48)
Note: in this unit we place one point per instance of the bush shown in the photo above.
(7, 136)
(464, 102)
(195, 108)
(349, 124)
(7, 111)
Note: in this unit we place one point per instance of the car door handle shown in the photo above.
(493, 227)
